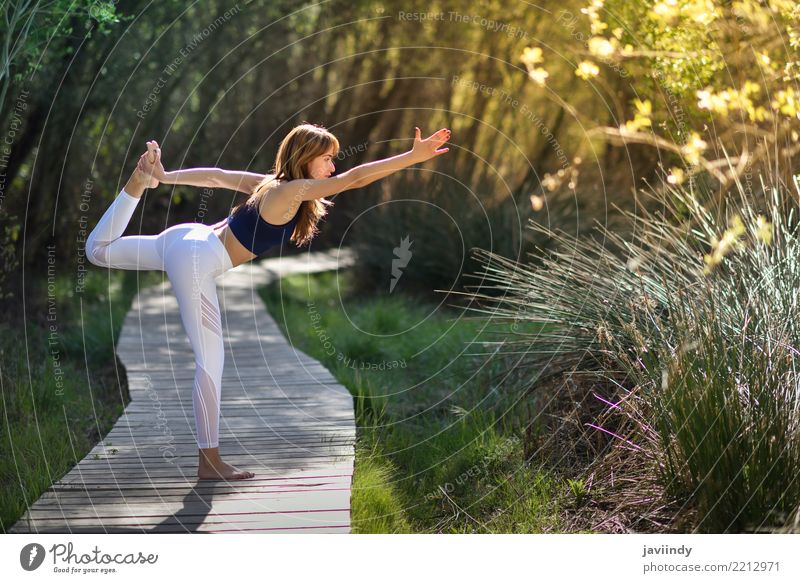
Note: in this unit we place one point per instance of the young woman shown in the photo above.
(286, 204)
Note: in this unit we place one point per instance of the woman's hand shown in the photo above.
(429, 148)
(150, 164)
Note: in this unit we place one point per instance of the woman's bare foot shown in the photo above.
(211, 467)
(140, 179)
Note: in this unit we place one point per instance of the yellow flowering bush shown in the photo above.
(705, 72)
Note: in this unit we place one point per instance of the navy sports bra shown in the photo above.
(256, 234)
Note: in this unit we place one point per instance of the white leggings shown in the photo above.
(193, 257)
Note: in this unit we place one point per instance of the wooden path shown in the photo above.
(284, 418)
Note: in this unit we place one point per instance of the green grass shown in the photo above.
(438, 446)
(61, 387)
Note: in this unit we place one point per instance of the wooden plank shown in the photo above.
(119, 439)
(144, 452)
(188, 471)
(284, 500)
(283, 416)
(66, 494)
(265, 480)
(264, 527)
(231, 522)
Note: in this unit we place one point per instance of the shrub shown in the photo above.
(694, 324)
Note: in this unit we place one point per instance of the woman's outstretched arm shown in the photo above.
(311, 189)
(215, 178)
(204, 177)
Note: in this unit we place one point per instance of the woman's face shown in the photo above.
(322, 166)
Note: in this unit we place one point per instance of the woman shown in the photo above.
(286, 204)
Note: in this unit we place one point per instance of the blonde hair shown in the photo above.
(300, 146)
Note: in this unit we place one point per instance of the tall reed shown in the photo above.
(693, 321)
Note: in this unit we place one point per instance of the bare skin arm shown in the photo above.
(204, 177)
(239, 180)
(311, 189)
(215, 178)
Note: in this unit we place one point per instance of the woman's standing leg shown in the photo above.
(192, 266)
(196, 293)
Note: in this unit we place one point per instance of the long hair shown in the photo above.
(300, 146)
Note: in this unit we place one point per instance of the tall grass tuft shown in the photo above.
(692, 324)
(369, 403)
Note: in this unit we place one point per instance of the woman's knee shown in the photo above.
(96, 253)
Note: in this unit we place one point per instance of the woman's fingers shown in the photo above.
(146, 170)
(440, 136)
(151, 153)
(144, 166)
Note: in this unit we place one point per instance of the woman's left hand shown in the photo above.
(150, 164)
(430, 147)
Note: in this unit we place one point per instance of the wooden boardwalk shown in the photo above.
(284, 418)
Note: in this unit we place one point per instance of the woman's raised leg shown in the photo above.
(106, 247)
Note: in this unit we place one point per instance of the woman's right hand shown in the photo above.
(150, 163)
(429, 147)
